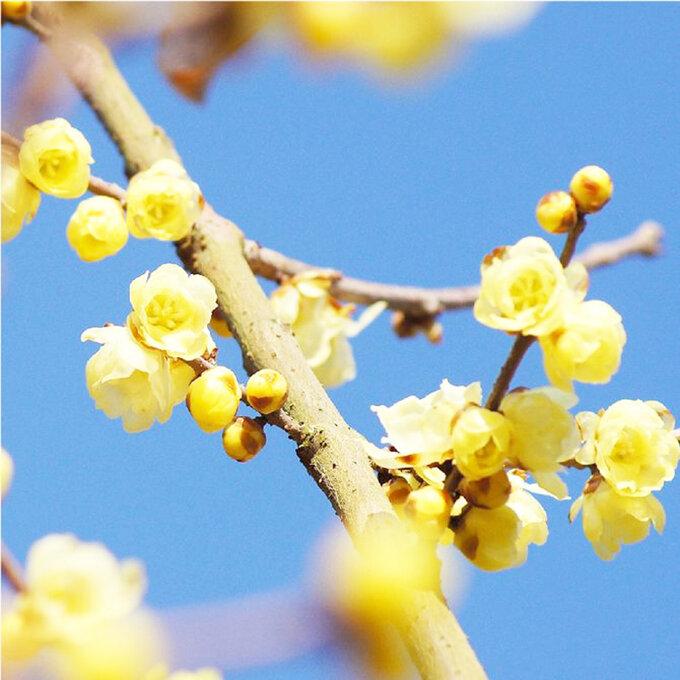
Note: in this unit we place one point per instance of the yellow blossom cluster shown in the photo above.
(321, 325)
(54, 158)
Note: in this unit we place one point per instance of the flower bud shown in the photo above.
(556, 212)
(20, 199)
(56, 158)
(266, 391)
(16, 11)
(243, 439)
(97, 228)
(214, 398)
(397, 491)
(489, 492)
(591, 188)
(429, 508)
(219, 325)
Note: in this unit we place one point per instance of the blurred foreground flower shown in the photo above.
(20, 199)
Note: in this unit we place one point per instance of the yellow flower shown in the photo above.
(556, 212)
(543, 433)
(420, 429)
(586, 348)
(266, 390)
(97, 228)
(632, 444)
(15, 10)
(321, 325)
(130, 381)
(162, 202)
(56, 158)
(610, 519)
(591, 188)
(489, 492)
(172, 310)
(243, 439)
(526, 290)
(480, 442)
(72, 588)
(6, 471)
(499, 538)
(214, 398)
(429, 510)
(20, 199)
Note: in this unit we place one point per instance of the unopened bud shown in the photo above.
(591, 188)
(488, 492)
(219, 324)
(556, 212)
(266, 391)
(243, 439)
(408, 326)
(429, 508)
(213, 398)
(16, 11)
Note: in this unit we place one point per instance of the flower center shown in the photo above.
(529, 291)
(167, 312)
(160, 207)
(54, 163)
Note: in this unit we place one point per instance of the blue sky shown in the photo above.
(408, 185)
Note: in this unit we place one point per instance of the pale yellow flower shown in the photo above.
(20, 199)
(162, 202)
(543, 433)
(633, 445)
(6, 471)
(172, 310)
(610, 519)
(499, 538)
(130, 381)
(56, 158)
(321, 325)
(97, 228)
(526, 290)
(480, 442)
(421, 429)
(586, 348)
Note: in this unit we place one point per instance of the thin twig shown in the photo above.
(11, 570)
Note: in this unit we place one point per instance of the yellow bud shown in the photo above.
(397, 491)
(20, 199)
(56, 158)
(16, 11)
(243, 439)
(556, 212)
(591, 188)
(213, 398)
(219, 325)
(489, 492)
(6, 471)
(97, 228)
(266, 390)
(429, 508)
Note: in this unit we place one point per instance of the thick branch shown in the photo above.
(333, 453)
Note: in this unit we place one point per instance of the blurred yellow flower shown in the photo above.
(480, 442)
(543, 433)
(130, 381)
(586, 348)
(633, 445)
(162, 202)
(321, 325)
(526, 290)
(214, 398)
(56, 158)
(20, 199)
(421, 429)
(610, 519)
(97, 228)
(6, 471)
(172, 310)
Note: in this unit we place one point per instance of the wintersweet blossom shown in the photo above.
(632, 444)
(20, 199)
(526, 290)
(586, 348)
(162, 202)
(97, 228)
(321, 325)
(420, 430)
(610, 519)
(130, 381)
(543, 433)
(171, 311)
(214, 398)
(56, 158)
(6, 472)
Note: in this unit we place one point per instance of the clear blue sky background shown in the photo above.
(405, 185)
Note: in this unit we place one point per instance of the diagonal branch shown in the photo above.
(333, 453)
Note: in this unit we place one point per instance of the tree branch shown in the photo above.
(333, 453)
(12, 571)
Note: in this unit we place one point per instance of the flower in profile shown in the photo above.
(97, 228)
(56, 158)
(632, 444)
(610, 519)
(130, 381)
(526, 290)
(321, 325)
(586, 348)
(171, 311)
(20, 199)
(163, 202)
